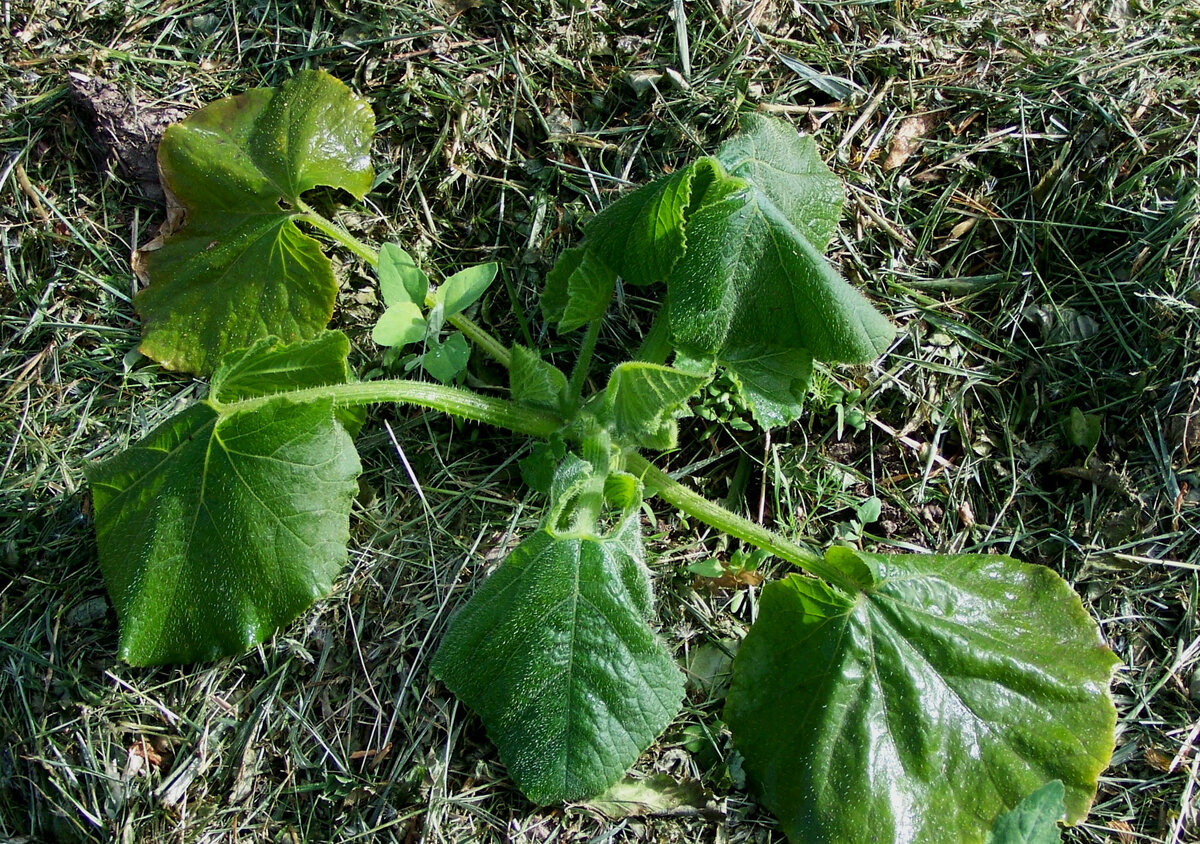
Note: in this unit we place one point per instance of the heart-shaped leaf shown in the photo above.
(229, 519)
(240, 269)
(924, 706)
(555, 655)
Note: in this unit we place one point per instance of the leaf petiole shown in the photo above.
(452, 400)
(583, 363)
(711, 513)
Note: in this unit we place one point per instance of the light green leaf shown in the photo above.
(578, 289)
(537, 469)
(773, 380)
(748, 274)
(240, 269)
(229, 520)
(446, 360)
(623, 490)
(641, 235)
(401, 324)
(920, 708)
(1083, 429)
(788, 169)
(555, 655)
(400, 279)
(464, 288)
(645, 398)
(534, 382)
(1034, 820)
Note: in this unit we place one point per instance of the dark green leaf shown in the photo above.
(555, 655)
(400, 279)
(534, 382)
(640, 236)
(748, 274)
(228, 520)
(578, 289)
(920, 708)
(773, 380)
(240, 269)
(788, 170)
(537, 469)
(645, 398)
(446, 360)
(464, 288)
(1034, 820)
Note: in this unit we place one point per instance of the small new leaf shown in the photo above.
(534, 382)
(645, 398)
(400, 279)
(1034, 820)
(445, 361)
(464, 288)
(401, 324)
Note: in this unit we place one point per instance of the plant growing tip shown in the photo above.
(877, 698)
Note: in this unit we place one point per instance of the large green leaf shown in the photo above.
(925, 705)
(788, 169)
(555, 655)
(229, 519)
(240, 269)
(749, 275)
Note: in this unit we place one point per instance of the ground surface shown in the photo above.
(1022, 201)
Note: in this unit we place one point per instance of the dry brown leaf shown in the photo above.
(908, 139)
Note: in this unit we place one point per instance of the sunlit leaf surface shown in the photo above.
(228, 520)
(240, 269)
(926, 705)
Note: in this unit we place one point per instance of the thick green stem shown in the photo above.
(452, 400)
(714, 514)
(474, 332)
(583, 363)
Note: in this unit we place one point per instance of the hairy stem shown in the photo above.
(474, 332)
(583, 363)
(451, 400)
(714, 514)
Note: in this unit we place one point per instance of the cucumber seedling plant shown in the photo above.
(877, 697)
